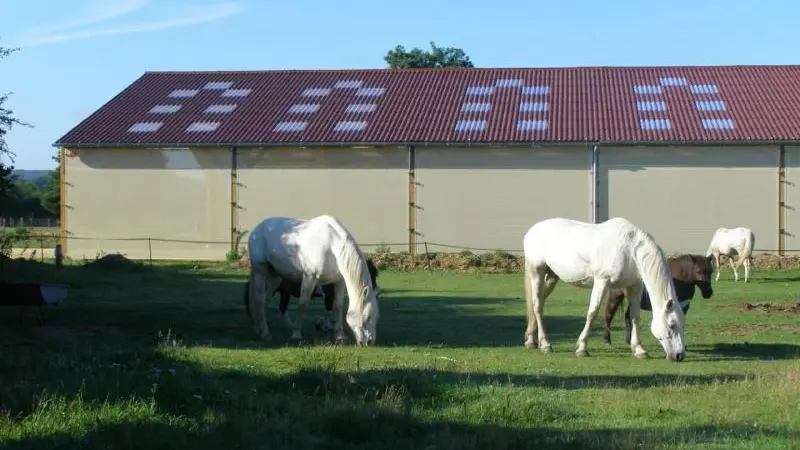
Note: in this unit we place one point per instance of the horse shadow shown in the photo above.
(769, 279)
(748, 351)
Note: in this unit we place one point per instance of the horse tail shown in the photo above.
(747, 251)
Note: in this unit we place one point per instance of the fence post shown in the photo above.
(41, 248)
(150, 249)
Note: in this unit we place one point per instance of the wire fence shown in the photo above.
(154, 248)
(29, 222)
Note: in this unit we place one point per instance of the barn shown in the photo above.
(180, 165)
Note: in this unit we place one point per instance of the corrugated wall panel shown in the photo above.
(681, 195)
(367, 189)
(180, 198)
(489, 197)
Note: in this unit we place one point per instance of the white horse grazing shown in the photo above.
(732, 242)
(311, 252)
(613, 254)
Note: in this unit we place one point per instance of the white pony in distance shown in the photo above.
(311, 252)
(732, 242)
(613, 254)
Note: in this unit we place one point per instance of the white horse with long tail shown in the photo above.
(733, 242)
(613, 254)
(311, 252)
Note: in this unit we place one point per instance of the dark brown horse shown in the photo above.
(688, 271)
(289, 289)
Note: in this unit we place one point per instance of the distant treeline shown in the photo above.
(29, 193)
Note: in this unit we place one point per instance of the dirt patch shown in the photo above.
(116, 262)
(750, 329)
(770, 308)
(59, 334)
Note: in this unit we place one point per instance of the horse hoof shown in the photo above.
(546, 349)
(530, 344)
(641, 355)
(607, 342)
(581, 353)
(339, 340)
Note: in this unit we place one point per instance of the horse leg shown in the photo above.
(733, 266)
(716, 263)
(283, 308)
(262, 281)
(537, 287)
(614, 300)
(307, 286)
(600, 290)
(635, 309)
(338, 310)
(628, 323)
(746, 269)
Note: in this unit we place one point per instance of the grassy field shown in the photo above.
(163, 357)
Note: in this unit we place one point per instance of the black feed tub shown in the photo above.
(32, 294)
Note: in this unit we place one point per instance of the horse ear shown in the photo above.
(669, 304)
(364, 292)
(710, 259)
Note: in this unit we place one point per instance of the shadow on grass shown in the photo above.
(206, 305)
(320, 406)
(750, 351)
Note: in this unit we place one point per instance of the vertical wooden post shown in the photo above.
(62, 207)
(412, 201)
(594, 181)
(782, 201)
(234, 201)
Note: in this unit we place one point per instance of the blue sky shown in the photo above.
(73, 59)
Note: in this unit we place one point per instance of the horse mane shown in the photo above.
(653, 269)
(352, 263)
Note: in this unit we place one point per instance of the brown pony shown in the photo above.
(688, 271)
(289, 288)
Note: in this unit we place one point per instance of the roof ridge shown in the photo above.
(472, 69)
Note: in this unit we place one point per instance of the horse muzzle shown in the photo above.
(677, 357)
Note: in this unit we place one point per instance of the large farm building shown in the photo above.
(430, 159)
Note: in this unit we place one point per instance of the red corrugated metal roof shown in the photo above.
(600, 104)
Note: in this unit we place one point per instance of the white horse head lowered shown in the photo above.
(612, 254)
(312, 252)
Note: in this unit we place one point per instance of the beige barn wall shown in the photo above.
(489, 197)
(681, 195)
(365, 188)
(169, 194)
(792, 200)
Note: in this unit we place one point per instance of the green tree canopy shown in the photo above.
(51, 192)
(7, 120)
(400, 58)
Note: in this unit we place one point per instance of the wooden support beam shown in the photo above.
(234, 201)
(782, 201)
(412, 201)
(62, 203)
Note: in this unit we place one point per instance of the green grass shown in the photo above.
(32, 238)
(164, 358)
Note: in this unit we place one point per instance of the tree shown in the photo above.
(7, 120)
(400, 58)
(51, 193)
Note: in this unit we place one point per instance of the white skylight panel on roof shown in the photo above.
(164, 109)
(145, 127)
(221, 108)
(199, 127)
(350, 126)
